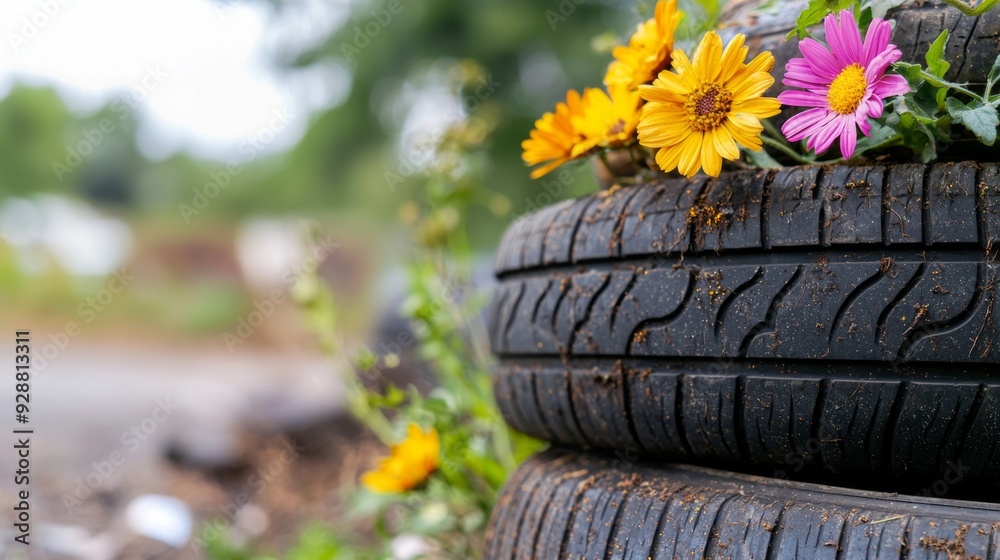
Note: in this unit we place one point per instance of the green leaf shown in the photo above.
(881, 7)
(911, 72)
(995, 72)
(879, 134)
(936, 65)
(864, 18)
(927, 89)
(814, 14)
(981, 120)
(919, 130)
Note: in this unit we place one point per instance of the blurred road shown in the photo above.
(104, 415)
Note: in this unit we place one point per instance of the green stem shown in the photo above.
(635, 162)
(934, 79)
(607, 165)
(770, 128)
(969, 10)
(887, 142)
(781, 147)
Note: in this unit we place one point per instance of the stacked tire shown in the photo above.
(838, 326)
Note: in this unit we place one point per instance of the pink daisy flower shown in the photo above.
(845, 84)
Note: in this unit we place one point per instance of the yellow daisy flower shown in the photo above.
(698, 115)
(648, 50)
(408, 464)
(606, 120)
(554, 137)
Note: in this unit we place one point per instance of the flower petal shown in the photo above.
(763, 62)
(848, 140)
(543, 170)
(843, 37)
(690, 159)
(659, 127)
(865, 125)
(877, 39)
(819, 59)
(745, 129)
(834, 40)
(824, 132)
(803, 124)
(891, 85)
(668, 157)
(759, 107)
(682, 64)
(711, 161)
(803, 74)
(708, 56)
(754, 86)
(733, 57)
(830, 130)
(871, 107)
(724, 144)
(666, 83)
(878, 65)
(802, 99)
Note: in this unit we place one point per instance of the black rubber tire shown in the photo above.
(564, 505)
(840, 317)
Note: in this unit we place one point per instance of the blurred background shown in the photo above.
(168, 173)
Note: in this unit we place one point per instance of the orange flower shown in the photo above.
(606, 121)
(554, 137)
(408, 465)
(648, 50)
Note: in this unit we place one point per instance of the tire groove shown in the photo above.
(765, 211)
(965, 47)
(573, 409)
(679, 416)
(870, 430)
(510, 318)
(586, 314)
(620, 299)
(851, 298)
(575, 510)
(736, 293)
(772, 311)
(609, 545)
(925, 206)
(970, 421)
(669, 318)
(616, 232)
(938, 328)
(629, 412)
(739, 417)
(780, 255)
(892, 423)
(818, 194)
(817, 419)
(774, 542)
(911, 284)
(982, 204)
(852, 370)
(577, 226)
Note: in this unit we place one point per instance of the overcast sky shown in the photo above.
(196, 72)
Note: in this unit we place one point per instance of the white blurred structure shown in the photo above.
(71, 233)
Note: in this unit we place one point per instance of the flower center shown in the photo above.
(847, 90)
(708, 106)
(618, 128)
